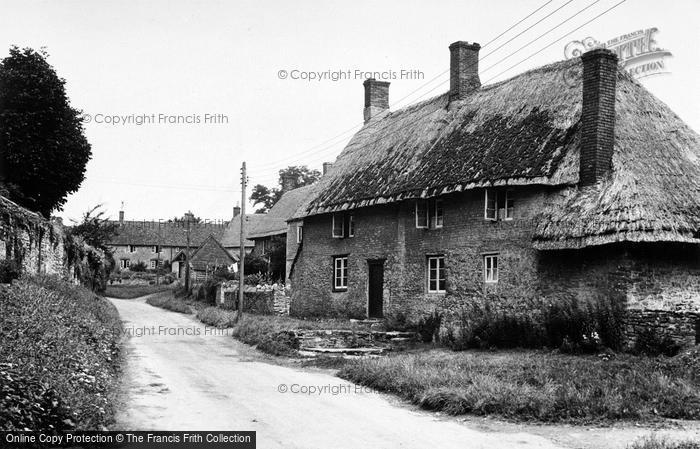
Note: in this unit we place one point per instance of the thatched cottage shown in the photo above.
(568, 181)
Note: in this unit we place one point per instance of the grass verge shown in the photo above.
(167, 300)
(59, 358)
(217, 317)
(538, 386)
(657, 443)
(124, 291)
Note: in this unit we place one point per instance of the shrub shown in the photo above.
(217, 317)
(255, 264)
(60, 353)
(650, 342)
(9, 271)
(428, 327)
(138, 267)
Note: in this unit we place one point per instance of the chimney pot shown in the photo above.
(327, 166)
(236, 211)
(376, 98)
(597, 115)
(464, 69)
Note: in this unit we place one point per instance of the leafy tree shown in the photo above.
(96, 229)
(267, 197)
(43, 149)
(187, 216)
(139, 266)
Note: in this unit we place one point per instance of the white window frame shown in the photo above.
(510, 205)
(340, 273)
(419, 214)
(124, 263)
(351, 225)
(491, 269)
(154, 249)
(494, 194)
(439, 219)
(153, 264)
(131, 249)
(342, 226)
(439, 271)
(300, 233)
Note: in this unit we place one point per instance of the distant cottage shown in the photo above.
(156, 243)
(569, 180)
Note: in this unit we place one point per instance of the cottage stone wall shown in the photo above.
(647, 280)
(35, 243)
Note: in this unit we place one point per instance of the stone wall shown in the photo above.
(32, 242)
(265, 301)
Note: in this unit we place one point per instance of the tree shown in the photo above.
(43, 149)
(188, 216)
(88, 242)
(300, 175)
(96, 229)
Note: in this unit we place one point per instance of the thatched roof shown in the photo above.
(275, 221)
(148, 233)
(526, 131)
(232, 234)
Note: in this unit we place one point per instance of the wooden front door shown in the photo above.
(375, 308)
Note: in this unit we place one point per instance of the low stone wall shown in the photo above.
(681, 326)
(340, 338)
(264, 301)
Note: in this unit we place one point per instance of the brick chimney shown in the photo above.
(288, 182)
(121, 216)
(236, 210)
(464, 69)
(597, 115)
(327, 166)
(376, 98)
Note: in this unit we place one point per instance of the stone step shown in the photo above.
(343, 351)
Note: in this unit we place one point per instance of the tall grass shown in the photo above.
(536, 386)
(59, 357)
(660, 443)
(167, 300)
(126, 291)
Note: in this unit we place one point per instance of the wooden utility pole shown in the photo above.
(187, 262)
(241, 266)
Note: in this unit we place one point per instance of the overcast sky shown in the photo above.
(192, 58)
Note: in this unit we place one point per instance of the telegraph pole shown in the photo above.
(241, 266)
(187, 262)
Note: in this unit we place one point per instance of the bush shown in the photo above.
(217, 317)
(650, 342)
(429, 326)
(138, 267)
(255, 264)
(9, 271)
(60, 353)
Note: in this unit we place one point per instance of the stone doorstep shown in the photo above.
(343, 351)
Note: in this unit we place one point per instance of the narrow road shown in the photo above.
(181, 377)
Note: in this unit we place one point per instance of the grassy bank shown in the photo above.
(125, 291)
(538, 386)
(167, 300)
(656, 443)
(59, 358)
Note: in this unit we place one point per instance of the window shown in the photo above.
(343, 226)
(300, 233)
(429, 214)
(154, 264)
(124, 263)
(154, 249)
(436, 274)
(177, 249)
(351, 226)
(132, 248)
(265, 246)
(498, 204)
(338, 226)
(340, 273)
(491, 268)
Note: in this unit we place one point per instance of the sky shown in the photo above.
(178, 93)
